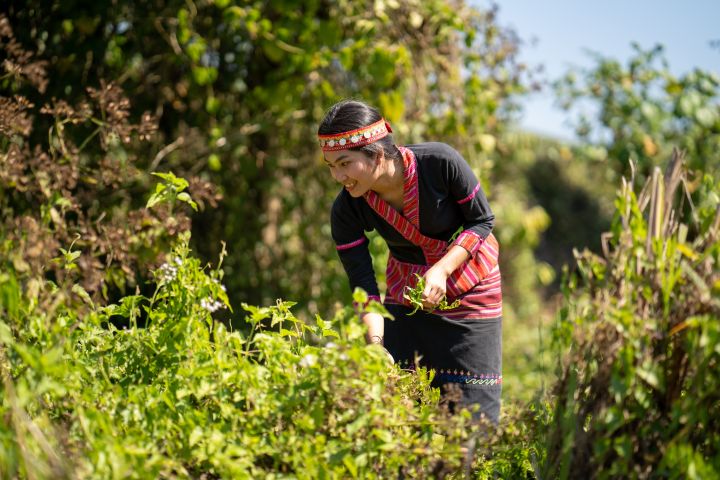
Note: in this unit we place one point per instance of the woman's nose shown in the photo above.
(338, 175)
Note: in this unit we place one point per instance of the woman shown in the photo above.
(418, 197)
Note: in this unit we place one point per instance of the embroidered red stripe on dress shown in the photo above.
(479, 281)
(470, 241)
(411, 204)
(402, 225)
(482, 301)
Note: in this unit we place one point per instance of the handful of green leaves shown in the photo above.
(414, 296)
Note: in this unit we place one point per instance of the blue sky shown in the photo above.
(558, 33)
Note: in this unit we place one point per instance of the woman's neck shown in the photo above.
(391, 183)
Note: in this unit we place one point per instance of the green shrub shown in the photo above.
(70, 176)
(638, 394)
(185, 396)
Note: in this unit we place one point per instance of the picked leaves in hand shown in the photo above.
(414, 296)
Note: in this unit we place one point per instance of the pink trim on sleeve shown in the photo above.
(471, 196)
(346, 246)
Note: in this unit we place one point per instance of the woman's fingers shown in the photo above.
(435, 284)
(427, 297)
(432, 296)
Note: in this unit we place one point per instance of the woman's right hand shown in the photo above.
(435, 286)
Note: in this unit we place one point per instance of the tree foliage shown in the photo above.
(76, 189)
(238, 89)
(640, 111)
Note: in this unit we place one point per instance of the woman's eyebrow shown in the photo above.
(336, 160)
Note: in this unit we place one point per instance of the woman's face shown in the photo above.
(355, 170)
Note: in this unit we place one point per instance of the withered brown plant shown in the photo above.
(79, 185)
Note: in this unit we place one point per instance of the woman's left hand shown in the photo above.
(435, 286)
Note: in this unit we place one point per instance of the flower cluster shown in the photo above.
(211, 305)
(168, 270)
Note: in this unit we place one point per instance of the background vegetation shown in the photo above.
(122, 356)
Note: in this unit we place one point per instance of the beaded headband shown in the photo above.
(355, 138)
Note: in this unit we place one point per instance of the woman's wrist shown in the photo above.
(374, 339)
(375, 324)
(452, 260)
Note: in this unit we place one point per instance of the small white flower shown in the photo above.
(308, 360)
(217, 282)
(331, 345)
(166, 272)
(211, 305)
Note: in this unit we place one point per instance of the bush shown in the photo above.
(642, 111)
(186, 396)
(638, 393)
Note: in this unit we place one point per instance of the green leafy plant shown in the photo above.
(642, 111)
(69, 176)
(638, 393)
(155, 386)
(414, 296)
(172, 188)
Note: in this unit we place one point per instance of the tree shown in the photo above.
(239, 87)
(643, 111)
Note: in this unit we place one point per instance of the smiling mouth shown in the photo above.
(350, 186)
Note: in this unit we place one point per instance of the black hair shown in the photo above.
(349, 115)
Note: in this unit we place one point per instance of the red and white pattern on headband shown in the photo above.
(355, 138)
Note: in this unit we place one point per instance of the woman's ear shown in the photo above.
(379, 156)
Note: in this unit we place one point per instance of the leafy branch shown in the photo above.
(414, 296)
(170, 190)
